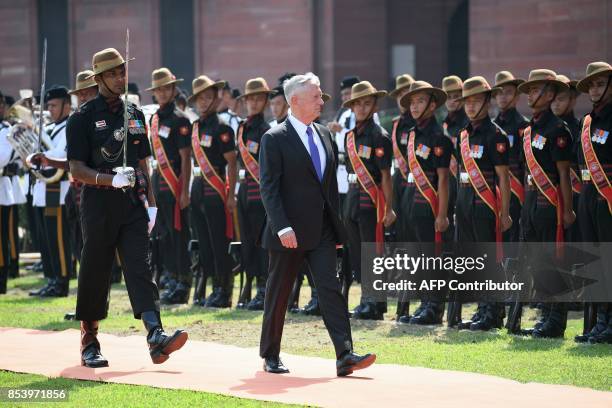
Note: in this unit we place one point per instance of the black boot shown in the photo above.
(600, 325)
(431, 314)
(161, 345)
(257, 303)
(545, 309)
(406, 318)
(490, 319)
(212, 298)
(554, 326)
(369, 311)
(221, 300)
(312, 307)
(480, 312)
(42, 290)
(90, 347)
(58, 289)
(606, 335)
(179, 295)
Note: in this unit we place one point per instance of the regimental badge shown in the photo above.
(501, 147)
(600, 136)
(380, 152)
(538, 142)
(252, 146)
(225, 138)
(364, 151)
(118, 134)
(476, 151)
(438, 151)
(511, 140)
(184, 130)
(206, 141)
(404, 138)
(422, 151)
(164, 131)
(561, 142)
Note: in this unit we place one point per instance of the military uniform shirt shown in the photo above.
(374, 148)
(174, 130)
(93, 126)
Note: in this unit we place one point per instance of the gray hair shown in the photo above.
(294, 84)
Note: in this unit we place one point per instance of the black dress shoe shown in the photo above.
(274, 365)
(257, 303)
(431, 314)
(350, 362)
(161, 345)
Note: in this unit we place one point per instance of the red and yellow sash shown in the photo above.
(598, 175)
(166, 170)
(482, 188)
(211, 177)
(576, 183)
(453, 161)
(517, 188)
(422, 182)
(401, 161)
(247, 158)
(367, 183)
(544, 184)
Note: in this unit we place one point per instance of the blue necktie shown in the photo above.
(314, 153)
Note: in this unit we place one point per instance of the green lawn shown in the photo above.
(99, 394)
(495, 353)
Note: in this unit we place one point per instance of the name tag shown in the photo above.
(404, 138)
(252, 146)
(101, 125)
(164, 132)
(206, 141)
(410, 178)
(529, 180)
(364, 151)
(352, 178)
(197, 171)
(241, 174)
(464, 178)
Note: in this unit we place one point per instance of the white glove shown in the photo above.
(120, 181)
(152, 211)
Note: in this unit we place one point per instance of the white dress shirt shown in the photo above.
(300, 129)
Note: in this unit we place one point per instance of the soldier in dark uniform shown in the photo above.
(367, 146)
(118, 210)
(212, 199)
(428, 154)
(506, 94)
(170, 132)
(548, 207)
(595, 208)
(455, 121)
(481, 215)
(399, 138)
(563, 107)
(251, 213)
(278, 106)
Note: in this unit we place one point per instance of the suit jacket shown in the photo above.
(290, 189)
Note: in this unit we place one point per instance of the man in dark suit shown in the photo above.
(300, 195)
